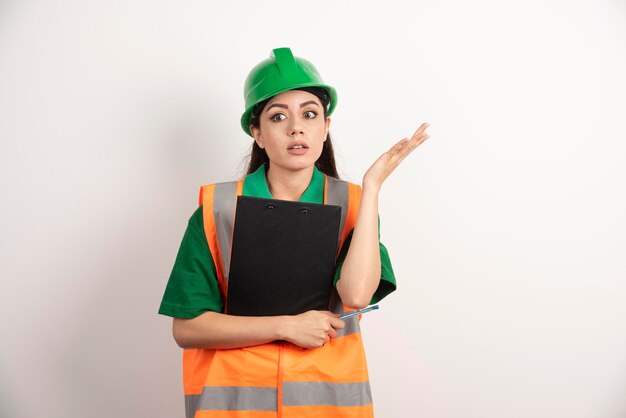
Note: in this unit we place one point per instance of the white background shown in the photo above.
(506, 228)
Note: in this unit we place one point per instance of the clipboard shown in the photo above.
(283, 257)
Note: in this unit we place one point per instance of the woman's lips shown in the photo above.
(297, 148)
(297, 151)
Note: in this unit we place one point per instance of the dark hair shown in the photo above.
(325, 163)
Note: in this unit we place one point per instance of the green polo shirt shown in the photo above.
(193, 288)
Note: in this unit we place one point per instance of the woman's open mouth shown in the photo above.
(297, 149)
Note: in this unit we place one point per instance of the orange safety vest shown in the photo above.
(276, 379)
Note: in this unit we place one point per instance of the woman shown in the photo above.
(306, 365)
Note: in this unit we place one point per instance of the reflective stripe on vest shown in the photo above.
(219, 203)
(348, 196)
(248, 398)
(278, 378)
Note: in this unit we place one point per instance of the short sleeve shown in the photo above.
(387, 278)
(192, 288)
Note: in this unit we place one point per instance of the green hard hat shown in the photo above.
(278, 73)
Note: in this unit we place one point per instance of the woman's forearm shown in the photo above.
(360, 273)
(220, 331)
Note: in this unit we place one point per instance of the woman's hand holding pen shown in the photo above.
(386, 163)
(312, 329)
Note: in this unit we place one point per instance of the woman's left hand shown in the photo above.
(386, 163)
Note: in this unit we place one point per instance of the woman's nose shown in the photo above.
(295, 128)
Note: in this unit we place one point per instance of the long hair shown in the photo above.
(325, 163)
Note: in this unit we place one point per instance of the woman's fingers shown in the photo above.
(398, 146)
(332, 333)
(401, 150)
(419, 136)
(337, 323)
(407, 145)
(389, 161)
(411, 145)
(420, 130)
(315, 328)
(404, 147)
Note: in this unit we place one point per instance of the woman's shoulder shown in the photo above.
(229, 186)
(222, 182)
(353, 187)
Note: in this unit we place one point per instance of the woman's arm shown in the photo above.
(360, 273)
(219, 331)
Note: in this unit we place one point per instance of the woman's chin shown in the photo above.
(295, 164)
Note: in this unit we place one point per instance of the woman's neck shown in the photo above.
(288, 184)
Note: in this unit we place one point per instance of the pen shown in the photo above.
(358, 312)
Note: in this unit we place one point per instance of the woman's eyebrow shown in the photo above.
(308, 103)
(313, 102)
(275, 105)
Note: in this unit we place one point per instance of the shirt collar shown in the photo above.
(255, 184)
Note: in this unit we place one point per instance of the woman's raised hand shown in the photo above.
(312, 329)
(386, 163)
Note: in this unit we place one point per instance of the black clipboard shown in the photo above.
(283, 257)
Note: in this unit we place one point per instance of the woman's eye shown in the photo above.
(278, 116)
(310, 114)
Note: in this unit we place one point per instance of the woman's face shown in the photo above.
(292, 129)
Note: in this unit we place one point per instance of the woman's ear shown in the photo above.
(327, 128)
(256, 134)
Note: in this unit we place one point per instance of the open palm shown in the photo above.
(386, 163)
